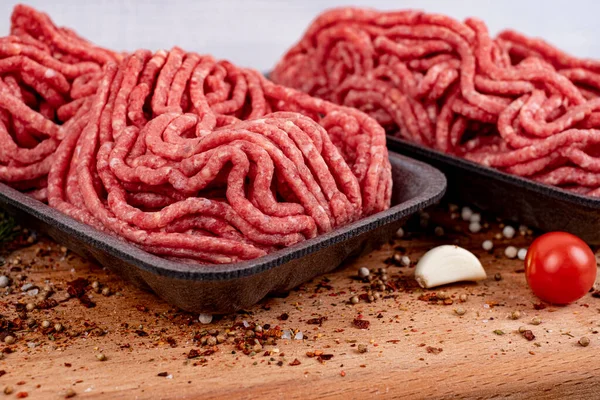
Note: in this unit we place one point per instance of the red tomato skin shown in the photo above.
(560, 268)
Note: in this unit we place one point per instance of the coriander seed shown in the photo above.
(463, 297)
(536, 321)
(58, 327)
(45, 324)
(584, 341)
(101, 357)
(354, 300)
(522, 329)
(362, 348)
(515, 315)
(106, 292)
(30, 307)
(460, 311)
(10, 339)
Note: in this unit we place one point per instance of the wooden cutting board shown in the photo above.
(416, 348)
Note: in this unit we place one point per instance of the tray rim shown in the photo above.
(527, 184)
(126, 252)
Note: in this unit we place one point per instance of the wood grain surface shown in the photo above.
(142, 337)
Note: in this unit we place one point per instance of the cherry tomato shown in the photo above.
(560, 267)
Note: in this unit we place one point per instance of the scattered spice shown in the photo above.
(515, 315)
(498, 276)
(499, 332)
(463, 298)
(295, 362)
(584, 341)
(434, 350)
(70, 393)
(162, 374)
(536, 321)
(8, 389)
(362, 348)
(528, 335)
(22, 395)
(539, 306)
(317, 321)
(101, 357)
(283, 317)
(460, 311)
(361, 323)
(324, 357)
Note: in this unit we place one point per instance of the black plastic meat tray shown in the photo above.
(511, 197)
(230, 287)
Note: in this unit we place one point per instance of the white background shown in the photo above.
(256, 33)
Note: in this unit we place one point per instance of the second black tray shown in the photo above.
(511, 197)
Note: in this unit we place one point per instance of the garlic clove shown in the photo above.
(448, 264)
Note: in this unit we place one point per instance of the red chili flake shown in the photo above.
(47, 304)
(395, 341)
(2, 372)
(77, 287)
(283, 317)
(434, 350)
(141, 308)
(316, 321)
(343, 373)
(295, 362)
(528, 335)
(539, 306)
(430, 297)
(20, 383)
(361, 323)
(22, 395)
(339, 330)
(380, 315)
(193, 354)
(310, 354)
(209, 352)
(162, 374)
(68, 365)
